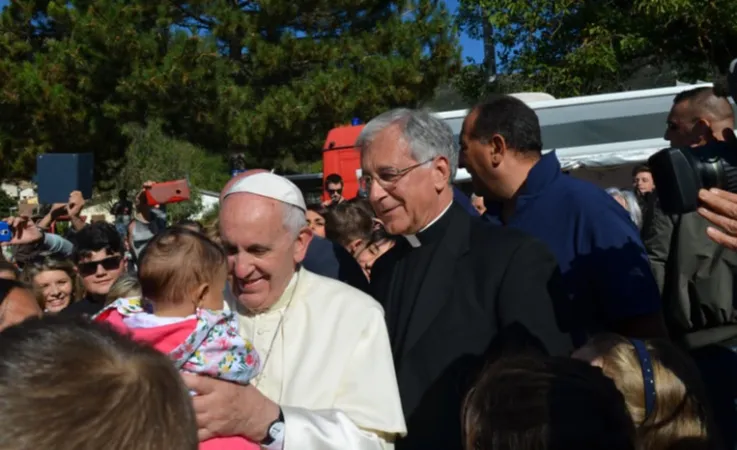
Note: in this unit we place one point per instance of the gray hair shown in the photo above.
(293, 218)
(427, 136)
(632, 205)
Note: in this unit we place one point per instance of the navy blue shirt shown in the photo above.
(598, 247)
(465, 202)
(330, 259)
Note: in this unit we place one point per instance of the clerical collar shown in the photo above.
(426, 235)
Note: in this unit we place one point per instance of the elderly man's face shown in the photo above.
(262, 253)
(404, 191)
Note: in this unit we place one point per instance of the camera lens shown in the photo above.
(715, 164)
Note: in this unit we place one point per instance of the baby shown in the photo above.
(182, 276)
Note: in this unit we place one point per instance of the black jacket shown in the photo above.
(482, 281)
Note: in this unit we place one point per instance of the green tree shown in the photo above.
(267, 79)
(570, 48)
(154, 156)
(7, 205)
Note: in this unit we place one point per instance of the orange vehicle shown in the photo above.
(340, 155)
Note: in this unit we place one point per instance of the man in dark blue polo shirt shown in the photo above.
(598, 248)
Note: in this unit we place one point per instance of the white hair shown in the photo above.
(632, 205)
(427, 136)
(293, 218)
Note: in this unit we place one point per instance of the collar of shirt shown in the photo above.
(541, 176)
(415, 239)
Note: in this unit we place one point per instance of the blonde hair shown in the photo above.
(212, 231)
(175, 262)
(48, 263)
(125, 286)
(680, 412)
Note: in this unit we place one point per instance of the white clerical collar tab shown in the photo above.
(413, 240)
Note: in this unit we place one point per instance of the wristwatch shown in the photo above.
(275, 431)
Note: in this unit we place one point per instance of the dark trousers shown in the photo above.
(718, 366)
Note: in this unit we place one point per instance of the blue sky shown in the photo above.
(471, 48)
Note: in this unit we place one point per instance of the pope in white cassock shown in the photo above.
(327, 377)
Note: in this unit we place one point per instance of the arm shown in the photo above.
(532, 295)
(367, 413)
(57, 244)
(57, 209)
(657, 235)
(625, 289)
(327, 430)
(75, 206)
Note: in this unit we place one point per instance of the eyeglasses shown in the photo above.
(89, 268)
(387, 178)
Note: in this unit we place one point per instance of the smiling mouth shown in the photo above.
(246, 285)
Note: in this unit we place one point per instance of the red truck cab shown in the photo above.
(340, 155)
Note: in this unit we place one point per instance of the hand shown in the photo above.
(141, 197)
(229, 409)
(57, 210)
(24, 231)
(720, 208)
(76, 203)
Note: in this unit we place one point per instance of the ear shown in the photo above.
(354, 245)
(200, 294)
(301, 244)
(702, 132)
(441, 173)
(497, 149)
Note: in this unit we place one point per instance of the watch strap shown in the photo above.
(269, 437)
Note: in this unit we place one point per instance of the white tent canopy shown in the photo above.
(597, 134)
(598, 131)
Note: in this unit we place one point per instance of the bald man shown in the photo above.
(324, 257)
(698, 116)
(16, 303)
(697, 276)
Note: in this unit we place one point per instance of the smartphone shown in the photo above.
(168, 192)
(6, 234)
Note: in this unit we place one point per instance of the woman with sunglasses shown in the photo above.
(55, 283)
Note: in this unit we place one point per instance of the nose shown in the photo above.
(242, 265)
(54, 291)
(99, 270)
(376, 193)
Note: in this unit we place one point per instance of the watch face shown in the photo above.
(276, 430)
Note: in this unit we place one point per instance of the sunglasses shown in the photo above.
(90, 268)
(334, 191)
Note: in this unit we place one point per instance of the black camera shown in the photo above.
(679, 173)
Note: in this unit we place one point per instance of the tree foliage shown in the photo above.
(267, 79)
(154, 156)
(569, 48)
(7, 205)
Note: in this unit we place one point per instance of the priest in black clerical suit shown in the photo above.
(453, 285)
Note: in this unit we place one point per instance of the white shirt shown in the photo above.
(330, 366)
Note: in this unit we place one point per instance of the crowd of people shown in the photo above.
(543, 312)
